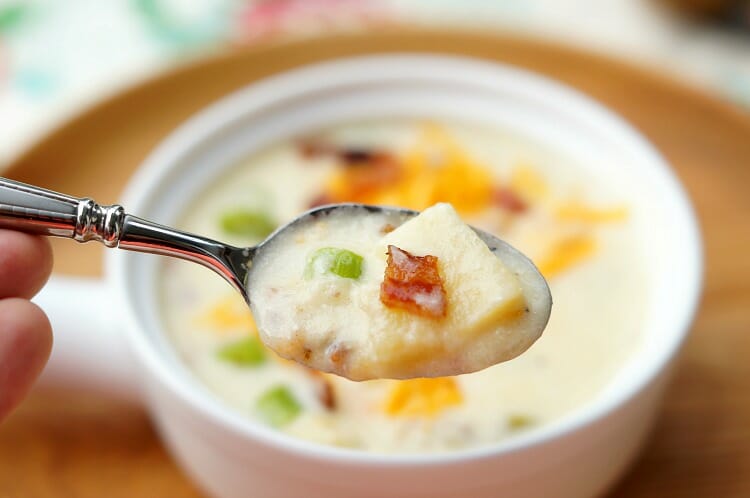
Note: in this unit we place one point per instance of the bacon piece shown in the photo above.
(365, 176)
(509, 200)
(337, 353)
(387, 228)
(310, 149)
(350, 156)
(413, 283)
(361, 171)
(358, 156)
(324, 390)
(320, 200)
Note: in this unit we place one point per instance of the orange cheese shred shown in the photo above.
(422, 397)
(575, 211)
(228, 315)
(566, 253)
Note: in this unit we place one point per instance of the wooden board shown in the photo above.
(68, 444)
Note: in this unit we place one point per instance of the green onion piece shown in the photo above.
(277, 406)
(341, 262)
(519, 422)
(248, 352)
(248, 223)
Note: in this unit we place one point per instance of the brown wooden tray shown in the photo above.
(68, 444)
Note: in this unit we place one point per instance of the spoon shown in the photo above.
(35, 210)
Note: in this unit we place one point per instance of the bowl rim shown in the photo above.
(231, 108)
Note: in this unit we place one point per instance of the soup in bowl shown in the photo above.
(577, 228)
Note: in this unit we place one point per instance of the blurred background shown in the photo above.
(58, 56)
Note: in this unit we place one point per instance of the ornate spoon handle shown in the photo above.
(27, 208)
(33, 209)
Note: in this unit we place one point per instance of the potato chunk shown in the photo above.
(480, 289)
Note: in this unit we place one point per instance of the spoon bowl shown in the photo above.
(344, 319)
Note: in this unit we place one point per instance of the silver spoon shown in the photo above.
(39, 211)
(32, 209)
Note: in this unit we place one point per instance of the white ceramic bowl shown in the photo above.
(229, 455)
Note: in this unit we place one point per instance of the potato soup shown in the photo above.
(577, 229)
(370, 294)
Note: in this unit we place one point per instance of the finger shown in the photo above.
(25, 263)
(25, 344)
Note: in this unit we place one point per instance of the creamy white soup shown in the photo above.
(575, 227)
(372, 295)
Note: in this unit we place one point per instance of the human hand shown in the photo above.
(25, 332)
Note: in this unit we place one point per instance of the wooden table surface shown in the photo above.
(73, 444)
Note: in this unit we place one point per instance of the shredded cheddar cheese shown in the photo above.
(422, 397)
(229, 314)
(434, 169)
(528, 183)
(565, 253)
(437, 168)
(575, 211)
(436, 164)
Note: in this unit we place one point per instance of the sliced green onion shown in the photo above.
(277, 406)
(341, 262)
(248, 352)
(247, 223)
(518, 422)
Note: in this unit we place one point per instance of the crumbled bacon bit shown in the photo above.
(387, 228)
(380, 170)
(323, 389)
(361, 171)
(337, 353)
(358, 156)
(509, 200)
(320, 200)
(310, 149)
(413, 283)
